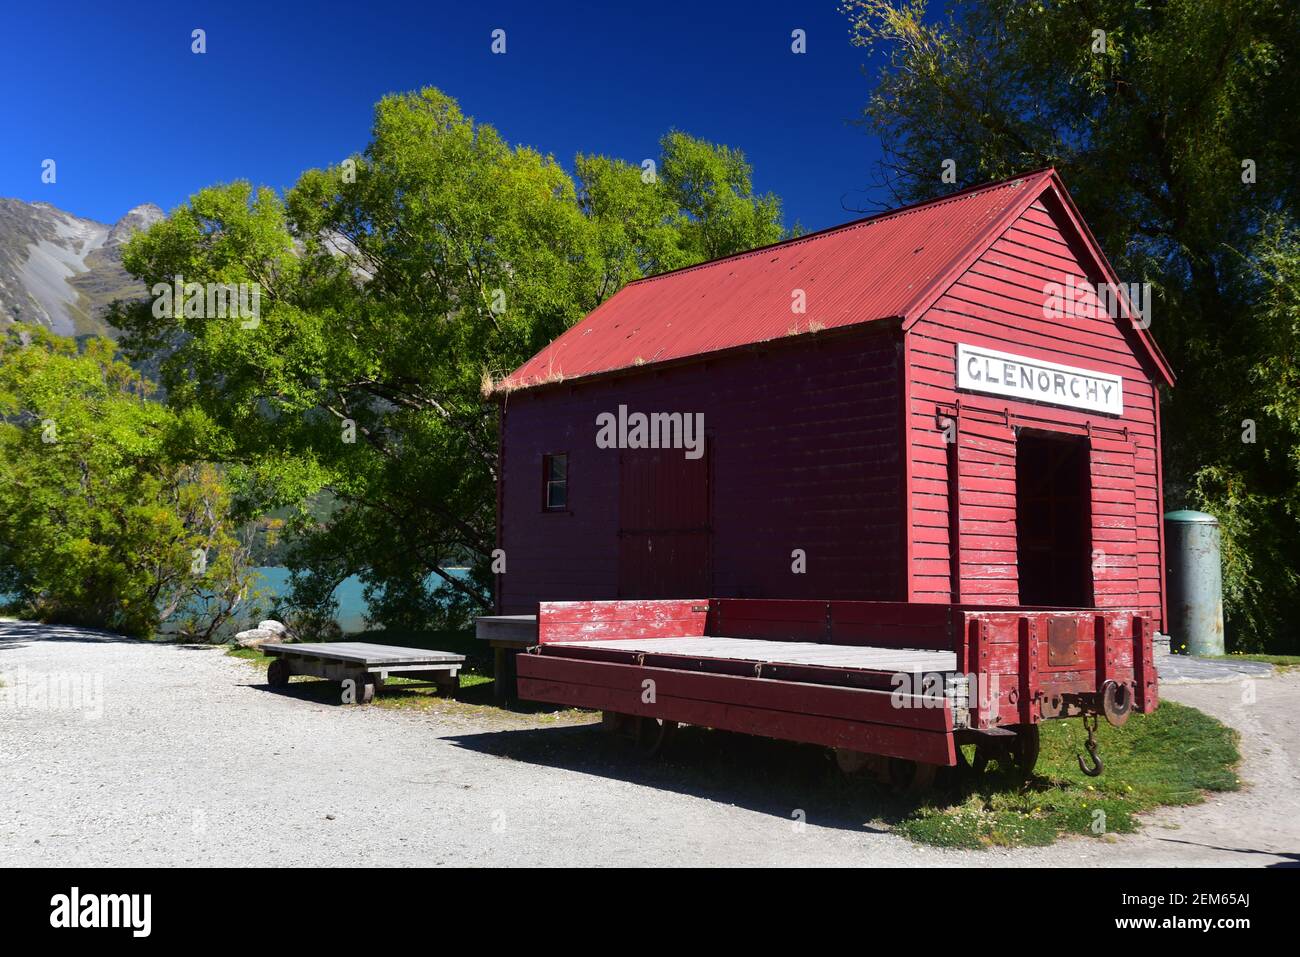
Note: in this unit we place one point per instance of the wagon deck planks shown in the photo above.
(767, 651)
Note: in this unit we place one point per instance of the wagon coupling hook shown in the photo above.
(1091, 745)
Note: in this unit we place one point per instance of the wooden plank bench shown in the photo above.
(362, 663)
(507, 635)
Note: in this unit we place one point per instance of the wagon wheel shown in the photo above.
(1019, 754)
(851, 762)
(277, 673)
(1027, 747)
(910, 777)
(616, 723)
(652, 734)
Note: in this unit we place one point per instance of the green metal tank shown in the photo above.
(1194, 578)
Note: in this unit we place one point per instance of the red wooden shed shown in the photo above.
(940, 404)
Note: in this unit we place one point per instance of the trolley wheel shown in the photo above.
(910, 777)
(363, 691)
(652, 734)
(277, 673)
(1020, 754)
(447, 687)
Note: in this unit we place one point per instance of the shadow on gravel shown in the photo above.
(319, 692)
(18, 634)
(1293, 860)
(785, 780)
(324, 691)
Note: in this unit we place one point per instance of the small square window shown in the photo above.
(555, 482)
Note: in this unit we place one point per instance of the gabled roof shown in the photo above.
(890, 266)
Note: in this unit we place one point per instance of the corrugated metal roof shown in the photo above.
(870, 269)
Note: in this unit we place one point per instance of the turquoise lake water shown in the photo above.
(274, 581)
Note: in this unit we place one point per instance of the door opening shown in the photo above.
(1054, 519)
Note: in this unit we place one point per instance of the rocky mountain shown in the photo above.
(62, 271)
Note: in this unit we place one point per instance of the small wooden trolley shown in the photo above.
(360, 666)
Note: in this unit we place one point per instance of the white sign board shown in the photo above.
(1001, 373)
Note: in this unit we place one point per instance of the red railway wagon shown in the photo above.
(909, 682)
(950, 409)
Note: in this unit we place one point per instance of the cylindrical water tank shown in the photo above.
(1194, 578)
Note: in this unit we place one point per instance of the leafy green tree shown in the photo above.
(1252, 486)
(100, 524)
(1167, 121)
(395, 287)
(636, 226)
(712, 186)
(696, 202)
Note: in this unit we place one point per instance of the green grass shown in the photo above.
(1281, 662)
(1171, 757)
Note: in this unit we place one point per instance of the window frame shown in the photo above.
(547, 507)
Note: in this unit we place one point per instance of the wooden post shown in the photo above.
(504, 684)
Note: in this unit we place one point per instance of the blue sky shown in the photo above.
(130, 115)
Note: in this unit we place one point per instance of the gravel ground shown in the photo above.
(1183, 669)
(176, 755)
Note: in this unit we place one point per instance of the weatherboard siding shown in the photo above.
(997, 303)
(829, 442)
(804, 453)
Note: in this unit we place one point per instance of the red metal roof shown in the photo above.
(882, 267)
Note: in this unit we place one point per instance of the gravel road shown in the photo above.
(148, 754)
